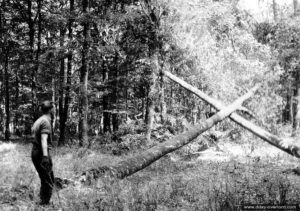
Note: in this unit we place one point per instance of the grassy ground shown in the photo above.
(184, 180)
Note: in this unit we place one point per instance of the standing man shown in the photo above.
(42, 131)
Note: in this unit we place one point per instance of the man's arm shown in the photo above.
(44, 144)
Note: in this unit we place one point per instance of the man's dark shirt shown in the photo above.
(42, 126)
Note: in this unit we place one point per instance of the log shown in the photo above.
(274, 140)
(138, 162)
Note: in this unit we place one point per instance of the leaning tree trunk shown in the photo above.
(266, 136)
(138, 162)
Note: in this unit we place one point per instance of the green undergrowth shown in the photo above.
(172, 183)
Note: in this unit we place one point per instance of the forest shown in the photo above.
(159, 105)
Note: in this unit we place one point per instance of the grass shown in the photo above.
(251, 174)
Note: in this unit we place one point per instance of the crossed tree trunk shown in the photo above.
(265, 135)
(138, 162)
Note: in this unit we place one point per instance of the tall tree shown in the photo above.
(152, 94)
(83, 108)
(31, 34)
(61, 88)
(115, 113)
(7, 97)
(68, 76)
(163, 105)
(5, 48)
(105, 100)
(16, 99)
(1, 61)
(296, 105)
(152, 10)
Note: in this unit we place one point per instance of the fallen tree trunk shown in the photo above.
(136, 163)
(265, 135)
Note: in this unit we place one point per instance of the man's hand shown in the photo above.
(46, 164)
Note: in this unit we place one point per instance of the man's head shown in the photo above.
(47, 107)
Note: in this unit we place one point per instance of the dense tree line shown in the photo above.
(101, 62)
(79, 54)
(283, 37)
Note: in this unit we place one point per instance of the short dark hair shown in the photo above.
(46, 106)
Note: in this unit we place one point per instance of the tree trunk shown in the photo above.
(115, 115)
(115, 121)
(163, 107)
(296, 107)
(83, 111)
(126, 96)
(39, 42)
(62, 121)
(138, 162)
(17, 114)
(31, 33)
(154, 53)
(291, 100)
(69, 75)
(149, 117)
(143, 108)
(297, 117)
(106, 113)
(151, 96)
(2, 101)
(287, 111)
(53, 89)
(194, 114)
(1, 68)
(275, 10)
(7, 100)
(5, 52)
(266, 136)
(172, 98)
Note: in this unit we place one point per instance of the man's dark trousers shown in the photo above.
(46, 175)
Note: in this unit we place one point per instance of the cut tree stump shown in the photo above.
(263, 134)
(138, 162)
